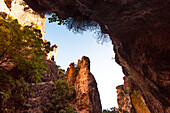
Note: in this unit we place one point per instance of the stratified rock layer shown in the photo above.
(139, 30)
(87, 95)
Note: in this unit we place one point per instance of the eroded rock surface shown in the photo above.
(20, 10)
(87, 95)
(139, 29)
(123, 98)
(37, 98)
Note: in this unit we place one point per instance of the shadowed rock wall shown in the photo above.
(37, 97)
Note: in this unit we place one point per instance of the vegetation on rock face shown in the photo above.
(138, 102)
(62, 74)
(62, 95)
(107, 111)
(21, 62)
(61, 98)
(114, 111)
(73, 24)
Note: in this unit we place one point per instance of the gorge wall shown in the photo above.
(140, 32)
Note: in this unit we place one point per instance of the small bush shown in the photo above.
(61, 98)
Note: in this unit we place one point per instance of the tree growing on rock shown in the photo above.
(21, 62)
(61, 98)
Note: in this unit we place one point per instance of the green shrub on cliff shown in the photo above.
(62, 74)
(61, 98)
(114, 111)
(21, 51)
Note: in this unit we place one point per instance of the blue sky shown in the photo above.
(72, 47)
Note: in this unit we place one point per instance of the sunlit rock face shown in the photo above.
(123, 98)
(130, 100)
(26, 16)
(20, 10)
(3, 7)
(139, 29)
(87, 96)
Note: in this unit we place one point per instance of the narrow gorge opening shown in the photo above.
(107, 72)
(139, 29)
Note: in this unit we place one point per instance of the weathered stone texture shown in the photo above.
(87, 95)
(52, 73)
(37, 98)
(26, 16)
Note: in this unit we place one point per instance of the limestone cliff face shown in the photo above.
(21, 11)
(26, 16)
(87, 95)
(139, 30)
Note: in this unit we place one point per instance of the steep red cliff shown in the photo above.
(139, 30)
(87, 95)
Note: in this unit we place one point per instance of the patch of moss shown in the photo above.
(138, 102)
